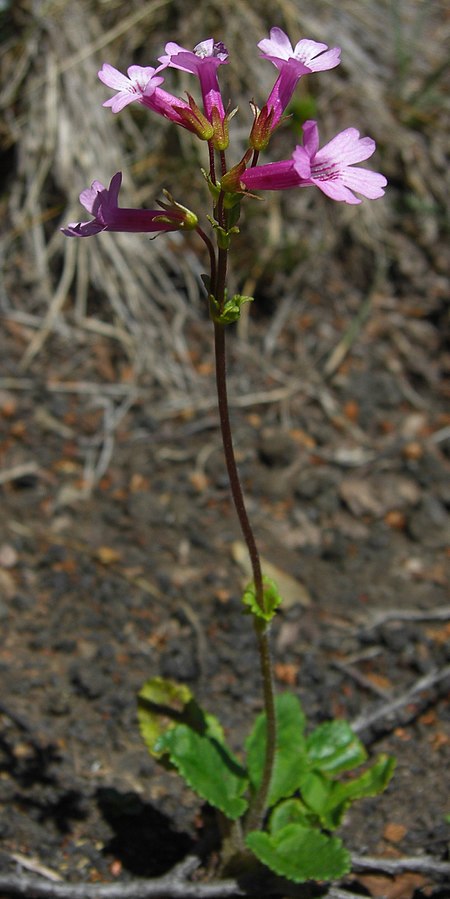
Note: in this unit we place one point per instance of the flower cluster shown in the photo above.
(330, 168)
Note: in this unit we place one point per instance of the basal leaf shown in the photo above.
(161, 705)
(300, 853)
(290, 759)
(329, 799)
(208, 767)
(315, 792)
(333, 747)
(372, 782)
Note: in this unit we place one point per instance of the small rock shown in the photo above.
(8, 556)
(430, 524)
(276, 448)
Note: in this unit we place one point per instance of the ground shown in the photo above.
(140, 577)
(120, 551)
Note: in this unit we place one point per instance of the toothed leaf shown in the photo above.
(333, 747)
(300, 853)
(208, 767)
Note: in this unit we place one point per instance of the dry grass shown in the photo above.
(142, 294)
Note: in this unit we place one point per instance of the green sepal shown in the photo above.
(291, 763)
(231, 310)
(329, 799)
(271, 597)
(180, 734)
(214, 189)
(333, 747)
(300, 853)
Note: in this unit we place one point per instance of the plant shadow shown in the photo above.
(143, 840)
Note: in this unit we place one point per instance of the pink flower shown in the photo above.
(142, 85)
(203, 61)
(279, 50)
(330, 169)
(101, 202)
(292, 63)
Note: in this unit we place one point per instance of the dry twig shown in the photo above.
(177, 885)
(386, 711)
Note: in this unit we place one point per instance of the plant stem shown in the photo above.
(258, 805)
(227, 440)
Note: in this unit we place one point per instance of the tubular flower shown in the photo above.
(143, 85)
(330, 168)
(101, 202)
(293, 62)
(203, 61)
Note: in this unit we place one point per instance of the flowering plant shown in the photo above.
(279, 805)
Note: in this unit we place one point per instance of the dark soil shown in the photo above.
(347, 485)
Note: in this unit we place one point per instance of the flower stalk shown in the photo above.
(258, 805)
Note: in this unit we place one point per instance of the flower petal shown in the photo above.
(336, 190)
(364, 181)
(313, 55)
(347, 147)
(113, 78)
(311, 137)
(302, 163)
(278, 44)
(121, 100)
(89, 196)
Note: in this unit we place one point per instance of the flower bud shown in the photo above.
(194, 120)
(262, 127)
(231, 181)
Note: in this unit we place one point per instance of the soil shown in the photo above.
(106, 585)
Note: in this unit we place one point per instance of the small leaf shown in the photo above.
(333, 747)
(291, 811)
(271, 599)
(161, 705)
(290, 759)
(208, 767)
(300, 853)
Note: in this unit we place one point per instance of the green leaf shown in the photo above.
(291, 811)
(176, 730)
(161, 705)
(271, 596)
(208, 767)
(290, 759)
(300, 853)
(329, 799)
(333, 747)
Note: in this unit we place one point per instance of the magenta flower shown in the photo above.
(330, 169)
(142, 85)
(203, 61)
(293, 62)
(101, 202)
